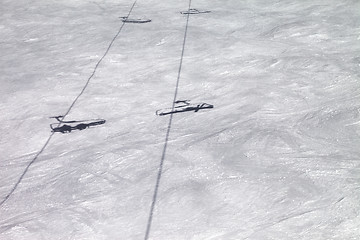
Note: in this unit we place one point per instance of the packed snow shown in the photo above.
(276, 158)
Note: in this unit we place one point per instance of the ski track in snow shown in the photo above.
(277, 158)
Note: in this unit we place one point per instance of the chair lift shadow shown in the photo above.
(68, 126)
(133, 20)
(194, 11)
(183, 106)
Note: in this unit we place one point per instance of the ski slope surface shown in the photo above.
(276, 158)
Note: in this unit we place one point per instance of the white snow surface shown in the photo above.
(277, 158)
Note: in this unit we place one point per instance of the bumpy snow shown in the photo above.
(277, 158)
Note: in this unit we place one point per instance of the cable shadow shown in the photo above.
(68, 111)
(26, 169)
(162, 160)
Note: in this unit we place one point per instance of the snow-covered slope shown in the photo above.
(277, 158)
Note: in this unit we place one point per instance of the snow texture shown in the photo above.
(277, 158)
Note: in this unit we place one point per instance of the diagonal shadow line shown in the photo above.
(98, 63)
(26, 169)
(158, 179)
(68, 111)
